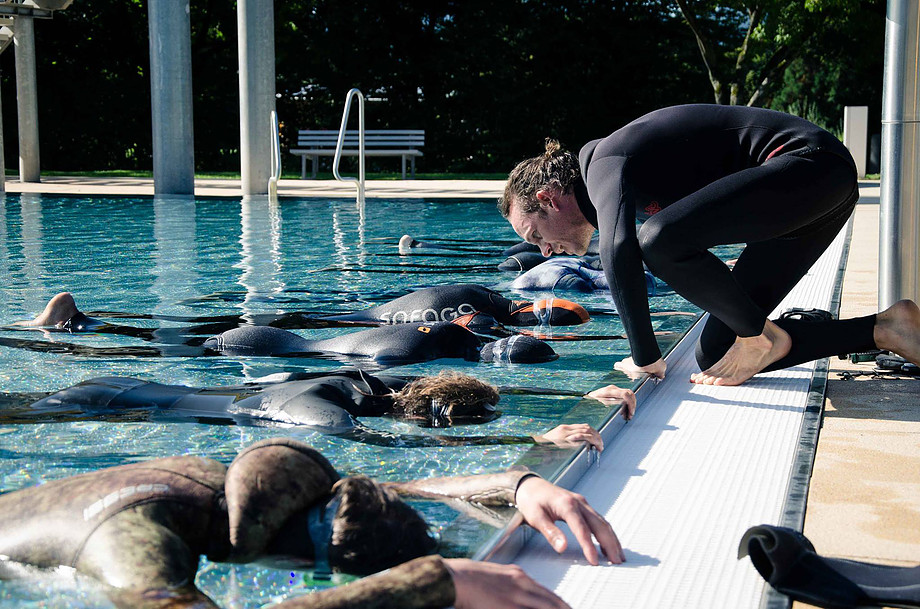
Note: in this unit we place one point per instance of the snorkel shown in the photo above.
(549, 312)
(319, 524)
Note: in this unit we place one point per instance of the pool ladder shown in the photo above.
(359, 181)
(276, 158)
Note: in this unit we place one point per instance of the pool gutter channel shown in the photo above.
(506, 545)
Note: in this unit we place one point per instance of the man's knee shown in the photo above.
(661, 244)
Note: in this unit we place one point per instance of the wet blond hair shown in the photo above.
(555, 168)
(450, 389)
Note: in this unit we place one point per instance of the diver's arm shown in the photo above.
(541, 503)
(185, 597)
(564, 436)
(421, 583)
(376, 437)
(487, 489)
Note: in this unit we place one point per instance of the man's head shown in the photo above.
(539, 202)
(448, 398)
(373, 529)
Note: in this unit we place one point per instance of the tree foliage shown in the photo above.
(487, 80)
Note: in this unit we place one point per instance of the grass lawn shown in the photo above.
(292, 175)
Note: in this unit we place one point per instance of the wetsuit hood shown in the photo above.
(266, 484)
(517, 349)
(550, 312)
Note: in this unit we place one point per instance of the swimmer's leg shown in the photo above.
(58, 310)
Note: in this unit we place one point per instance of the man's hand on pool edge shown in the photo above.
(542, 503)
(611, 395)
(572, 436)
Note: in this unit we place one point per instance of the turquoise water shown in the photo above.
(187, 258)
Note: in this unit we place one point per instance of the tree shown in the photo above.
(747, 45)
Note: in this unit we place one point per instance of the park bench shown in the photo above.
(404, 143)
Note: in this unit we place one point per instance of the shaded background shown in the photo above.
(488, 81)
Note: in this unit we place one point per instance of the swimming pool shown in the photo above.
(183, 258)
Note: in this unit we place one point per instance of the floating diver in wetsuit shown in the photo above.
(440, 303)
(331, 403)
(141, 528)
(385, 345)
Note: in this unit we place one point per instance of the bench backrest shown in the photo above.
(373, 138)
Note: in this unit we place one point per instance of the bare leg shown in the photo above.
(58, 310)
(747, 356)
(897, 329)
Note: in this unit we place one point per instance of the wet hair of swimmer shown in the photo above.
(549, 312)
(448, 398)
(372, 529)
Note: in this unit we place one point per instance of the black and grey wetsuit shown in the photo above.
(698, 176)
(450, 302)
(331, 403)
(387, 345)
(440, 303)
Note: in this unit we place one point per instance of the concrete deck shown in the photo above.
(864, 500)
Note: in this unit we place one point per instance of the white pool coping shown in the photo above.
(688, 475)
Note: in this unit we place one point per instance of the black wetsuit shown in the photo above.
(387, 345)
(699, 176)
(330, 403)
(440, 303)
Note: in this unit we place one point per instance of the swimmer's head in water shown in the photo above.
(478, 322)
(550, 312)
(449, 398)
(374, 530)
(517, 349)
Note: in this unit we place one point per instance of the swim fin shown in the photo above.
(789, 562)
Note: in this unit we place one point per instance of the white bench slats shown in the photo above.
(404, 143)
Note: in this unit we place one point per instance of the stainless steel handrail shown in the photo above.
(276, 157)
(359, 181)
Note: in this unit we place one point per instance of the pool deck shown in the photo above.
(864, 497)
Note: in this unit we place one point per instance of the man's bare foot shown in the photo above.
(747, 357)
(58, 310)
(897, 329)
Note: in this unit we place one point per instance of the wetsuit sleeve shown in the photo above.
(377, 437)
(421, 583)
(487, 489)
(621, 256)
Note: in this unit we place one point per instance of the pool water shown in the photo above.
(181, 259)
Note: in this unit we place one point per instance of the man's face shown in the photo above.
(558, 228)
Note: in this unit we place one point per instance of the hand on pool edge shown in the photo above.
(572, 436)
(485, 584)
(542, 503)
(611, 395)
(656, 369)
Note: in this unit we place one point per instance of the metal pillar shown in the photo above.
(171, 97)
(899, 215)
(2, 156)
(256, 29)
(27, 99)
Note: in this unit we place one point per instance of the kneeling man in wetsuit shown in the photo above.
(141, 528)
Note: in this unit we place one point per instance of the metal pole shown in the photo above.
(2, 156)
(171, 97)
(256, 29)
(26, 99)
(899, 212)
